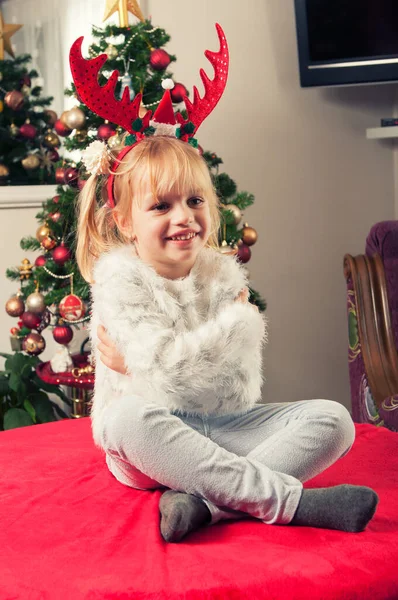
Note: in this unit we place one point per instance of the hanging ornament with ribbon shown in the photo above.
(126, 81)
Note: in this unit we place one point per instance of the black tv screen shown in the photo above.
(343, 42)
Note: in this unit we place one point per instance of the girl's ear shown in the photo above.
(123, 224)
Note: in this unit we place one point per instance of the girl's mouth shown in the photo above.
(183, 242)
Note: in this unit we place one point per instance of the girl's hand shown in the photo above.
(108, 352)
(244, 297)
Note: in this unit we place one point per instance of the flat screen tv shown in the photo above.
(345, 42)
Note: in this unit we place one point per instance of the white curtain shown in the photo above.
(49, 29)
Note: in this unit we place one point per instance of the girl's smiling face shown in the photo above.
(156, 220)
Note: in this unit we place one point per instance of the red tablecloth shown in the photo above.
(70, 531)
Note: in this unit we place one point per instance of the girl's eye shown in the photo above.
(198, 200)
(163, 206)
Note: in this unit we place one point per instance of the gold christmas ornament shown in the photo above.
(225, 248)
(63, 117)
(33, 344)
(235, 210)
(25, 269)
(35, 303)
(6, 33)
(249, 235)
(30, 162)
(4, 171)
(111, 51)
(81, 135)
(1, 106)
(15, 306)
(14, 130)
(114, 141)
(123, 7)
(74, 118)
(51, 140)
(43, 232)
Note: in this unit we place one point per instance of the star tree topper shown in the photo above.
(6, 32)
(122, 6)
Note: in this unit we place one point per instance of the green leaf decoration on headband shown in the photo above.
(189, 127)
(149, 130)
(130, 140)
(137, 124)
(193, 142)
(178, 132)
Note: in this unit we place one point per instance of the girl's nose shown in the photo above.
(183, 215)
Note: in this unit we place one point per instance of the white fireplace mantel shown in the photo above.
(25, 196)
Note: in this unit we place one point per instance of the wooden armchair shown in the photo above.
(372, 309)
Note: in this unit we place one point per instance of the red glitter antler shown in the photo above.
(101, 100)
(200, 108)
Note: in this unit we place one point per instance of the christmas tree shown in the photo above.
(27, 141)
(53, 293)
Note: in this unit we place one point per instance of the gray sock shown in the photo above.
(344, 507)
(180, 514)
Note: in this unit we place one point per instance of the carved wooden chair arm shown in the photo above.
(376, 337)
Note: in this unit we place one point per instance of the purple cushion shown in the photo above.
(383, 240)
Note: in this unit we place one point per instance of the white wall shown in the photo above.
(319, 184)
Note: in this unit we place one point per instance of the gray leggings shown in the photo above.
(243, 464)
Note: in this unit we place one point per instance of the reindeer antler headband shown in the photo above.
(125, 113)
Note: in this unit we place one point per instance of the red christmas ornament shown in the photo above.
(31, 320)
(62, 129)
(59, 176)
(55, 216)
(51, 116)
(56, 198)
(71, 176)
(14, 100)
(53, 155)
(244, 253)
(71, 308)
(62, 334)
(159, 59)
(106, 131)
(28, 131)
(40, 261)
(61, 254)
(25, 80)
(14, 330)
(178, 92)
(48, 243)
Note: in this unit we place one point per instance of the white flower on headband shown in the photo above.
(96, 158)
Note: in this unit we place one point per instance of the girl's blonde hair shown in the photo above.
(171, 165)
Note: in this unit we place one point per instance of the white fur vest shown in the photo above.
(187, 345)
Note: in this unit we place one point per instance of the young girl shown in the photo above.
(178, 374)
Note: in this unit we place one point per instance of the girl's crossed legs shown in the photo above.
(248, 464)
